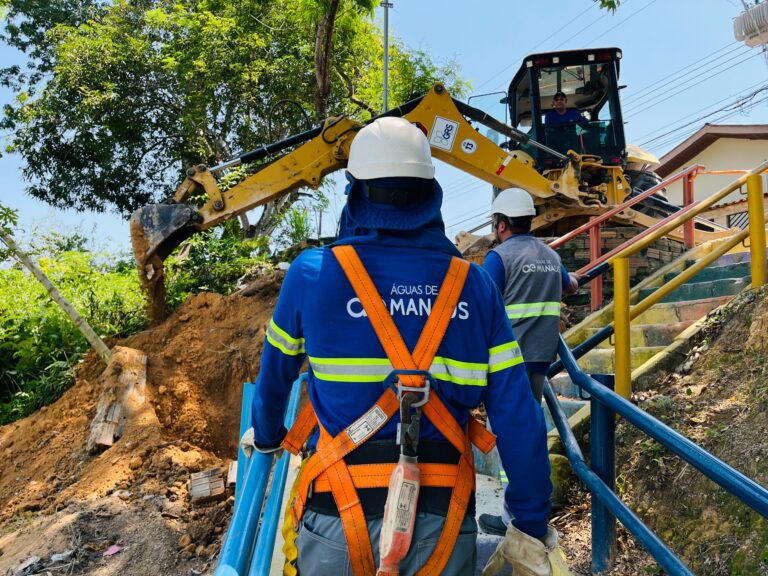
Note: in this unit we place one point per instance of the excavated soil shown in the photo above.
(56, 497)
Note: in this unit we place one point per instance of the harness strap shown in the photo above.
(307, 420)
(423, 354)
(465, 485)
(480, 436)
(328, 460)
(377, 476)
(351, 515)
(331, 451)
(384, 326)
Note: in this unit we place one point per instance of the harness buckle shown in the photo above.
(393, 380)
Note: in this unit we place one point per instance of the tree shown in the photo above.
(121, 96)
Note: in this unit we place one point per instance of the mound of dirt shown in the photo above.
(718, 399)
(55, 496)
(198, 360)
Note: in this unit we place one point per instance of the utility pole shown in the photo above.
(386, 5)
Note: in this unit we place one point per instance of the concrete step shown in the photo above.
(600, 360)
(733, 258)
(716, 273)
(690, 311)
(647, 334)
(564, 386)
(701, 290)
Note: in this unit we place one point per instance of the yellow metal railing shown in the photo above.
(623, 313)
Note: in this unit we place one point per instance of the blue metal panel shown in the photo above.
(249, 389)
(237, 548)
(265, 543)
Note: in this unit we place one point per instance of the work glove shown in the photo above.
(527, 555)
(248, 444)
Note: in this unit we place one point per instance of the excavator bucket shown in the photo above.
(155, 231)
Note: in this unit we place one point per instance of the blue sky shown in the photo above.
(681, 63)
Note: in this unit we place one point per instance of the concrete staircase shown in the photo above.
(661, 328)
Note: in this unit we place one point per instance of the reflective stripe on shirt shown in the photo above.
(533, 309)
(377, 369)
(504, 356)
(448, 369)
(284, 342)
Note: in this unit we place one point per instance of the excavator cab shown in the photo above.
(593, 123)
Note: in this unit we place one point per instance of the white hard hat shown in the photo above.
(513, 203)
(388, 148)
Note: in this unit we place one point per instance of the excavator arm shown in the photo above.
(582, 186)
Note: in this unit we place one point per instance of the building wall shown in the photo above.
(723, 154)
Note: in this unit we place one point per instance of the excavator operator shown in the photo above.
(403, 339)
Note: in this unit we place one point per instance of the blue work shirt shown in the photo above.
(552, 117)
(318, 317)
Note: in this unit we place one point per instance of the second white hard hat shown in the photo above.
(388, 148)
(513, 203)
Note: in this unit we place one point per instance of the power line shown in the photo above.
(555, 33)
(738, 94)
(635, 111)
(621, 22)
(458, 183)
(482, 213)
(723, 67)
(738, 102)
(729, 114)
(564, 42)
(641, 93)
(462, 192)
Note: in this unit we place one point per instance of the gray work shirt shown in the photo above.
(532, 293)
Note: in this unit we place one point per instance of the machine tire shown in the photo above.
(641, 180)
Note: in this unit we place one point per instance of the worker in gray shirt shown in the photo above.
(532, 280)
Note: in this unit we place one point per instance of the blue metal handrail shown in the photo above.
(748, 491)
(663, 555)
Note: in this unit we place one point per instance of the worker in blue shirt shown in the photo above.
(560, 113)
(393, 294)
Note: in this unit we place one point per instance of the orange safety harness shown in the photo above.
(326, 469)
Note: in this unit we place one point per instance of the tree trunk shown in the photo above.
(82, 325)
(323, 57)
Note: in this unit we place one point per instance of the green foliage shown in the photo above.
(212, 260)
(121, 96)
(298, 224)
(609, 5)
(8, 220)
(39, 345)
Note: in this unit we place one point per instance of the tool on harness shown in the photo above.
(408, 428)
(404, 484)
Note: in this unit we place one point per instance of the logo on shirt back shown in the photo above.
(540, 266)
(409, 300)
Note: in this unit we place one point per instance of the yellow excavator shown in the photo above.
(572, 170)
